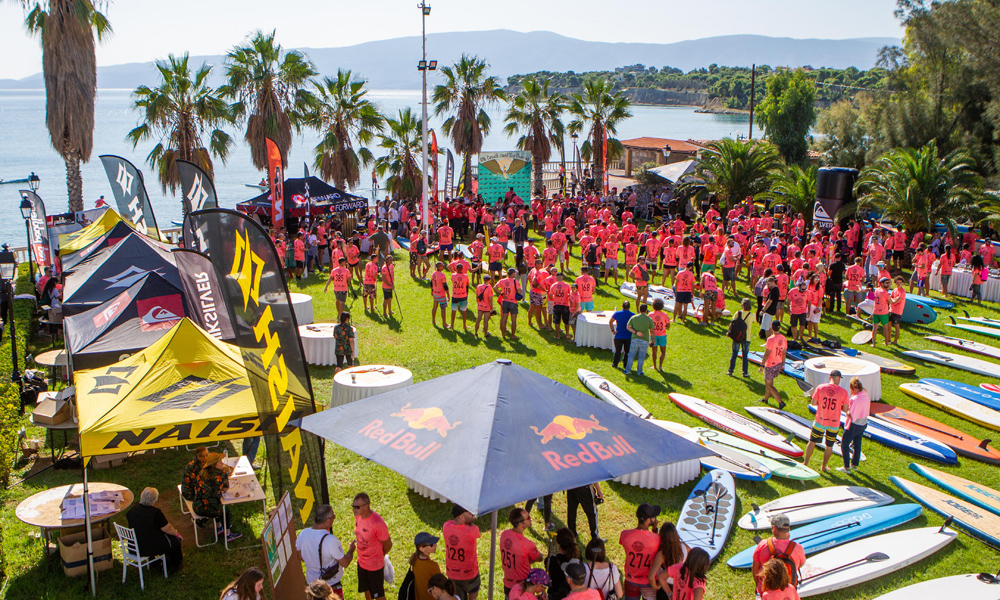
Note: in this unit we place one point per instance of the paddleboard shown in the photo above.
(957, 361)
(706, 519)
(967, 345)
(980, 395)
(966, 587)
(904, 439)
(736, 424)
(793, 368)
(956, 405)
(990, 387)
(977, 521)
(980, 320)
(815, 505)
(611, 393)
(792, 423)
(915, 311)
(736, 464)
(780, 466)
(959, 441)
(981, 330)
(846, 566)
(841, 529)
(932, 302)
(976, 493)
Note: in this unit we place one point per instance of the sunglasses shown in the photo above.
(358, 506)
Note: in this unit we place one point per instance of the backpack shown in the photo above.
(592, 254)
(738, 328)
(407, 589)
(786, 557)
(421, 246)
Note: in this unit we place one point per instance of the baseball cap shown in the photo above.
(836, 373)
(457, 510)
(424, 539)
(576, 572)
(538, 577)
(780, 521)
(647, 511)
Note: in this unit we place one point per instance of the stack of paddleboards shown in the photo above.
(978, 521)
(738, 464)
(949, 401)
(793, 368)
(779, 465)
(904, 439)
(815, 505)
(956, 361)
(708, 513)
(981, 325)
(840, 529)
(736, 424)
(793, 424)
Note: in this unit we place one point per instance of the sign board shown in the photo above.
(500, 171)
(281, 559)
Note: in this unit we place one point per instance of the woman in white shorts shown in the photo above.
(815, 312)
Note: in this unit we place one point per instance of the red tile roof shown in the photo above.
(651, 143)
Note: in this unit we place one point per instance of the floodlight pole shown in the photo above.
(425, 10)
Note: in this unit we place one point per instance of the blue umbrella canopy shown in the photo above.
(498, 434)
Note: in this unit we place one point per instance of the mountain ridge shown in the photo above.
(391, 63)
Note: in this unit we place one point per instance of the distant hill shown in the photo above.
(391, 64)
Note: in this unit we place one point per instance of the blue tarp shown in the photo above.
(498, 434)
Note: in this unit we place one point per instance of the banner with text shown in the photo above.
(197, 189)
(38, 230)
(129, 191)
(276, 181)
(203, 294)
(501, 171)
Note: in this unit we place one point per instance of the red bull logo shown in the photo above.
(564, 427)
(431, 419)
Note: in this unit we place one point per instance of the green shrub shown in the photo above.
(644, 177)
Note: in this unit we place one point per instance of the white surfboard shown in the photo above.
(611, 393)
(707, 516)
(735, 463)
(798, 426)
(869, 558)
(957, 361)
(736, 424)
(966, 587)
(967, 345)
(953, 403)
(813, 505)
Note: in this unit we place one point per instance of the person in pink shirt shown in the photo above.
(880, 315)
(773, 363)
(987, 251)
(779, 545)
(341, 279)
(459, 295)
(684, 291)
(439, 294)
(976, 285)
(709, 287)
(830, 401)
(484, 305)
(859, 407)
(777, 582)
(299, 247)
(945, 265)
(611, 259)
(690, 576)
(461, 536)
(373, 543)
(897, 303)
(517, 553)
(532, 588)
(560, 241)
(586, 285)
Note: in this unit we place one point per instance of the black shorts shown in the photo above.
(300, 263)
(468, 586)
(894, 318)
(683, 297)
(560, 314)
(729, 273)
(898, 254)
(798, 320)
(372, 582)
(496, 266)
(387, 294)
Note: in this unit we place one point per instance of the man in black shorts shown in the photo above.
(373, 544)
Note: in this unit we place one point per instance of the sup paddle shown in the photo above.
(760, 452)
(873, 557)
(837, 528)
(785, 509)
(739, 464)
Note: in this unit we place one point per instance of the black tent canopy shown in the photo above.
(116, 234)
(129, 322)
(324, 197)
(113, 271)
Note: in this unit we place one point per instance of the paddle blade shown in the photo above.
(754, 507)
(757, 539)
(850, 352)
(947, 524)
(877, 557)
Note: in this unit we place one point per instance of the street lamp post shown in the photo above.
(27, 206)
(8, 269)
(576, 164)
(423, 66)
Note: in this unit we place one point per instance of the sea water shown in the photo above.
(25, 147)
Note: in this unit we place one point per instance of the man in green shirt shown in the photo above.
(641, 327)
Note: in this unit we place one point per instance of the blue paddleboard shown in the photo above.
(793, 368)
(904, 440)
(917, 311)
(932, 302)
(969, 392)
(840, 530)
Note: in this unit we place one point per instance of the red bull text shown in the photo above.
(564, 427)
(431, 419)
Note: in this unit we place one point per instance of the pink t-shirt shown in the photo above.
(516, 555)
(684, 587)
(369, 534)
(789, 593)
(640, 547)
(461, 560)
(777, 344)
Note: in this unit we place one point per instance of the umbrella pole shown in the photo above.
(90, 536)
(493, 551)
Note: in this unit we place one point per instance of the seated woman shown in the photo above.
(153, 533)
(212, 482)
(189, 485)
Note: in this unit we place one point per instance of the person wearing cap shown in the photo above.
(880, 314)
(321, 590)
(373, 543)
(213, 481)
(897, 303)
(946, 262)
(640, 546)
(830, 400)
(320, 549)
(882, 272)
(423, 566)
(576, 577)
(777, 545)
(517, 553)
(461, 559)
(508, 290)
(532, 587)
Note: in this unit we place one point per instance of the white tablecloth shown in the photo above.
(960, 282)
(667, 476)
(818, 372)
(356, 383)
(302, 304)
(426, 492)
(318, 343)
(592, 330)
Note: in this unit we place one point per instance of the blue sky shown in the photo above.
(145, 30)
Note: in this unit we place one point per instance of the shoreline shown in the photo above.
(723, 111)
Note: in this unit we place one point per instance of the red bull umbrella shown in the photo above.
(498, 434)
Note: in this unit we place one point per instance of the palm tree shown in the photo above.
(180, 111)
(267, 86)
(466, 94)
(916, 187)
(794, 188)
(537, 115)
(69, 66)
(402, 144)
(732, 170)
(341, 113)
(603, 110)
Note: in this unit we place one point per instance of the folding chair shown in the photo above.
(130, 555)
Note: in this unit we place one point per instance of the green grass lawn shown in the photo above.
(697, 359)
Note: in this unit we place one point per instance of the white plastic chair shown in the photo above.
(195, 517)
(180, 495)
(130, 555)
